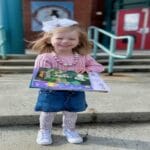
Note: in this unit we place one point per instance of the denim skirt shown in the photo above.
(55, 101)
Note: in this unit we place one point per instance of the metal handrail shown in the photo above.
(93, 34)
(2, 42)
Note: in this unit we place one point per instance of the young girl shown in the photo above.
(63, 46)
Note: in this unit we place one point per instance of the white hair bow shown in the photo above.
(52, 24)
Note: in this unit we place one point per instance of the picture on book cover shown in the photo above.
(56, 79)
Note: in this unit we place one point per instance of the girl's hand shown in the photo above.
(80, 70)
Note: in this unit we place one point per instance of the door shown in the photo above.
(97, 13)
(134, 22)
(146, 40)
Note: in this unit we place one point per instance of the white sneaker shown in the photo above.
(44, 137)
(72, 136)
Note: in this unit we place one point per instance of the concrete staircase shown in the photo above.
(139, 62)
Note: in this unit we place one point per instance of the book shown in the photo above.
(55, 79)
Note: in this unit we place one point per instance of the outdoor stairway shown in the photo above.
(139, 62)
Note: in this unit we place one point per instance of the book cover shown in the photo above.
(55, 79)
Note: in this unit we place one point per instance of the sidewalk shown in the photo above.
(128, 100)
(121, 136)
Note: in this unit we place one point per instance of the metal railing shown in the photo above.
(93, 34)
(2, 42)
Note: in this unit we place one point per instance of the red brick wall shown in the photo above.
(82, 13)
(83, 10)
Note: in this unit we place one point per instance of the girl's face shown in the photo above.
(65, 41)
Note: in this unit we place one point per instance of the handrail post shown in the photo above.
(111, 58)
(96, 41)
(2, 43)
(130, 46)
(4, 46)
(3, 52)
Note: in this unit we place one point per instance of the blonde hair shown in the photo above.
(43, 44)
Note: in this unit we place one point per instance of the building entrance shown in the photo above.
(134, 22)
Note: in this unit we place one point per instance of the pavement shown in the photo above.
(133, 136)
(128, 100)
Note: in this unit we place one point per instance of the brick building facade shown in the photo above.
(87, 12)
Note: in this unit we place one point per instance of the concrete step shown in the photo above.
(134, 55)
(17, 62)
(139, 62)
(20, 56)
(132, 68)
(29, 69)
(30, 62)
(102, 55)
(133, 62)
(126, 61)
(16, 69)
